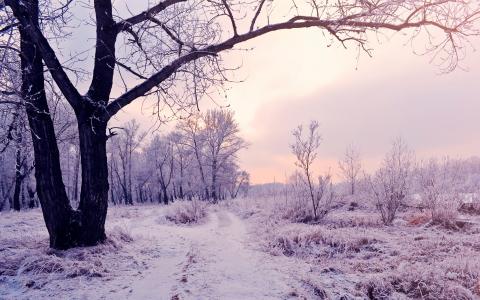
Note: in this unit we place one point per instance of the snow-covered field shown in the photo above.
(144, 258)
(242, 250)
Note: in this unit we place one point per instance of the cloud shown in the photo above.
(435, 114)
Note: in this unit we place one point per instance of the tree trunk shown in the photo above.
(180, 190)
(31, 197)
(67, 227)
(18, 180)
(112, 194)
(130, 194)
(165, 195)
(175, 196)
(94, 191)
(214, 181)
(61, 221)
(75, 176)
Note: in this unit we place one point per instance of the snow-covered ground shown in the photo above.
(243, 249)
(145, 258)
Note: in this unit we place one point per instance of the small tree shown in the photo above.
(193, 139)
(239, 181)
(129, 141)
(161, 154)
(350, 167)
(222, 143)
(390, 184)
(305, 150)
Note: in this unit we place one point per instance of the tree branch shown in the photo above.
(104, 65)
(21, 12)
(212, 50)
(168, 31)
(8, 27)
(144, 16)
(130, 70)
(257, 13)
(230, 16)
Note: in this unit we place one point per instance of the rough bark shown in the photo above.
(67, 227)
(60, 219)
(94, 190)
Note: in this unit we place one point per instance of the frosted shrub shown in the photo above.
(298, 204)
(438, 183)
(186, 212)
(445, 211)
(319, 194)
(320, 242)
(390, 184)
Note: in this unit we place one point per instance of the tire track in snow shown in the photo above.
(209, 261)
(228, 269)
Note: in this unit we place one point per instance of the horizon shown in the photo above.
(448, 129)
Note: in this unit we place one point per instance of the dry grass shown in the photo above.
(28, 264)
(355, 255)
(321, 242)
(31, 257)
(186, 212)
(418, 219)
(448, 280)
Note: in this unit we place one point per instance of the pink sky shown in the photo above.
(293, 77)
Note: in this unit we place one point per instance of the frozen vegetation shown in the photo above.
(353, 255)
(246, 248)
(409, 230)
(169, 213)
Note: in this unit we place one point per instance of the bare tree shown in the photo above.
(439, 188)
(240, 181)
(161, 154)
(193, 138)
(23, 160)
(23, 167)
(222, 143)
(169, 52)
(125, 146)
(305, 150)
(350, 167)
(183, 159)
(391, 183)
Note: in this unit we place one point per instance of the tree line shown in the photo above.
(441, 187)
(198, 158)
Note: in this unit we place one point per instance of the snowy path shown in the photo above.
(211, 261)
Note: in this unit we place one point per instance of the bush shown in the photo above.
(445, 213)
(298, 205)
(390, 184)
(186, 212)
(439, 190)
